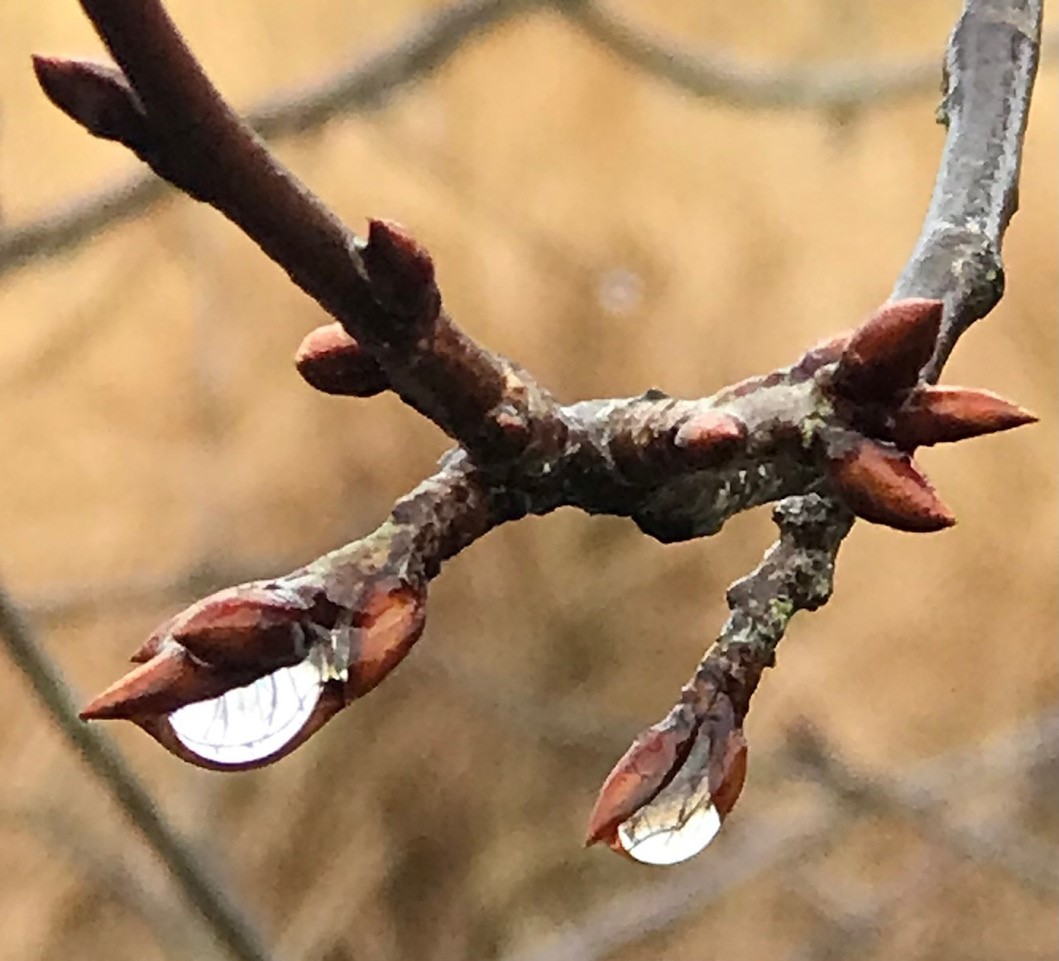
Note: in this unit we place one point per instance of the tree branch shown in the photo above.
(837, 428)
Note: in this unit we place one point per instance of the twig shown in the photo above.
(836, 428)
(990, 68)
(364, 86)
(839, 86)
(957, 260)
(225, 918)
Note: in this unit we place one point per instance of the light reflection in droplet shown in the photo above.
(251, 723)
(652, 839)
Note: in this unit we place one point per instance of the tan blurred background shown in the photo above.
(611, 233)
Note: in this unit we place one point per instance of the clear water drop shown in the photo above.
(652, 839)
(251, 723)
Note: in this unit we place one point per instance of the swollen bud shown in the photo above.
(938, 415)
(667, 798)
(333, 362)
(886, 353)
(882, 484)
(243, 677)
(97, 96)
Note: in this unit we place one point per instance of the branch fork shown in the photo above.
(243, 677)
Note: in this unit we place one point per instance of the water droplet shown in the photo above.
(650, 838)
(254, 722)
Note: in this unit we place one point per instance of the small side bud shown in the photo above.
(882, 485)
(825, 352)
(938, 415)
(711, 436)
(333, 362)
(97, 96)
(886, 353)
(401, 272)
(387, 625)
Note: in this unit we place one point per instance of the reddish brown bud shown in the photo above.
(333, 362)
(259, 625)
(168, 681)
(667, 797)
(882, 485)
(886, 353)
(637, 777)
(388, 623)
(401, 272)
(937, 415)
(149, 648)
(95, 95)
(710, 436)
(244, 676)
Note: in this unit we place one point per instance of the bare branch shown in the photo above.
(957, 261)
(225, 918)
(990, 68)
(837, 428)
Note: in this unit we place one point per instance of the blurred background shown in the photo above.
(612, 231)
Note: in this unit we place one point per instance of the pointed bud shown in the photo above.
(882, 485)
(168, 681)
(826, 352)
(886, 353)
(638, 776)
(710, 437)
(401, 272)
(938, 415)
(386, 627)
(95, 95)
(260, 625)
(150, 647)
(334, 363)
(688, 813)
(667, 797)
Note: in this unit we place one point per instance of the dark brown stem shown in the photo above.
(188, 135)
